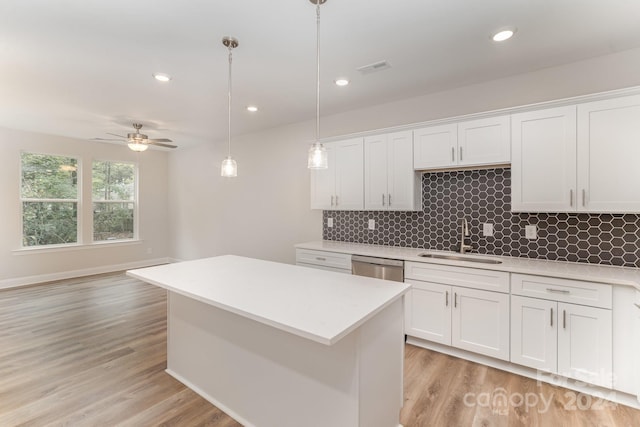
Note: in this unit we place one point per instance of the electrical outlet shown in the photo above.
(531, 232)
(372, 224)
(329, 222)
(487, 229)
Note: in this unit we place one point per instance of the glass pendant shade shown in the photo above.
(229, 168)
(137, 146)
(318, 158)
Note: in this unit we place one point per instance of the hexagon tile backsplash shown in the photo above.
(484, 196)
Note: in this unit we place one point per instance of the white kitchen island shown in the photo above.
(281, 345)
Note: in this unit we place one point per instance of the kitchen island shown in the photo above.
(280, 345)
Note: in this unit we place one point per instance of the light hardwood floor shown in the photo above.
(92, 352)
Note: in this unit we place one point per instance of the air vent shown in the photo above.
(375, 67)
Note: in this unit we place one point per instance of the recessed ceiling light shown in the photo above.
(342, 82)
(503, 35)
(161, 77)
(252, 108)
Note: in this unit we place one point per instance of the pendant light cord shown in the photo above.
(318, 71)
(229, 139)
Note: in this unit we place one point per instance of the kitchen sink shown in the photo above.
(453, 257)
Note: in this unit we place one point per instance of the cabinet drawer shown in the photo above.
(564, 290)
(490, 280)
(325, 259)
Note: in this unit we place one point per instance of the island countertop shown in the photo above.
(321, 306)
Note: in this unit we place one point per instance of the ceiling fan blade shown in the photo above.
(106, 139)
(159, 144)
(159, 140)
(115, 134)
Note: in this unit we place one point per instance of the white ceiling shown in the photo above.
(81, 68)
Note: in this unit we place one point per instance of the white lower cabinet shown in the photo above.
(572, 340)
(636, 339)
(470, 319)
(322, 260)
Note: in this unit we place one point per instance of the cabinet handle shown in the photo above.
(331, 200)
(558, 291)
(636, 304)
(389, 199)
(320, 258)
(571, 198)
(336, 200)
(584, 198)
(453, 154)
(551, 316)
(446, 299)
(460, 157)
(455, 300)
(564, 319)
(383, 199)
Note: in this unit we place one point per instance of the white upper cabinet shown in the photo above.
(435, 147)
(471, 143)
(341, 186)
(609, 155)
(543, 165)
(390, 182)
(484, 141)
(580, 158)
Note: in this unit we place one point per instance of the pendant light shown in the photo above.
(317, 152)
(229, 167)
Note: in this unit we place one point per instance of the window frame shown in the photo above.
(135, 201)
(77, 200)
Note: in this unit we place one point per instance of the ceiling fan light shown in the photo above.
(318, 158)
(229, 168)
(137, 146)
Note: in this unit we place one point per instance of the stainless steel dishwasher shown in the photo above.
(380, 268)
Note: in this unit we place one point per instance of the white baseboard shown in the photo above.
(41, 278)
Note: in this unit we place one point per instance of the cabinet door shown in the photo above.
(484, 141)
(585, 344)
(323, 182)
(480, 322)
(375, 172)
(543, 160)
(349, 160)
(428, 312)
(608, 155)
(435, 147)
(534, 333)
(636, 338)
(403, 183)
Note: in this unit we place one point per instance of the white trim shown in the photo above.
(553, 379)
(634, 90)
(41, 278)
(26, 250)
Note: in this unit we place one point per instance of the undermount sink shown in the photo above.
(453, 257)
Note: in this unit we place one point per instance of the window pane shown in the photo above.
(112, 221)
(113, 181)
(49, 177)
(49, 223)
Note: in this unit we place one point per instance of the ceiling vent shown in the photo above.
(375, 67)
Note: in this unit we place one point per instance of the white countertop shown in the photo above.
(613, 275)
(322, 306)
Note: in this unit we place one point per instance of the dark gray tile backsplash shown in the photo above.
(484, 196)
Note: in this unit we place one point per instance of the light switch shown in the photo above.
(487, 229)
(329, 222)
(372, 224)
(531, 232)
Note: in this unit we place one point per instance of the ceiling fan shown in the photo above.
(138, 141)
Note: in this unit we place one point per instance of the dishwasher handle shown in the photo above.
(377, 261)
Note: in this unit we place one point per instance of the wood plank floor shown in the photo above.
(92, 352)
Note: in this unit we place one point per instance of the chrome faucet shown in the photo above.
(464, 231)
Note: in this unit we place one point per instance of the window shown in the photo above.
(49, 196)
(114, 200)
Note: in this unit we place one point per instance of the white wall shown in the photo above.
(28, 266)
(265, 211)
